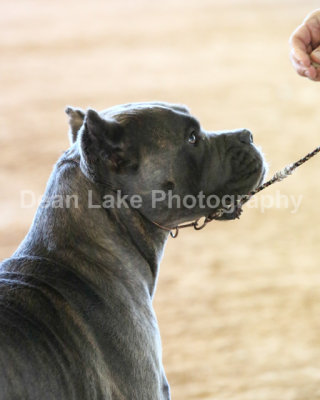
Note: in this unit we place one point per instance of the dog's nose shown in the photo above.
(245, 136)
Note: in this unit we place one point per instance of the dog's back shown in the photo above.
(46, 348)
(60, 339)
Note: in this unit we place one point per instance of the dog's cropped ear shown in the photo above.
(76, 117)
(101, 143)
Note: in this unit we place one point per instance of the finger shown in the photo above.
(317, 76)
(310, 72)
(294, 59)
(315, 55)
(312, 22)
(300, 68)
(299, 41)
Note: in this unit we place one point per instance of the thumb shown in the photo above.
(315, 55)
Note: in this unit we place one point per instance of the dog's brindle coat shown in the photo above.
(76, 316)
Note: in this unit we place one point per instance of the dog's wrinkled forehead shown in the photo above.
(121, 112)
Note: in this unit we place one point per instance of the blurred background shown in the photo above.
(239, 302)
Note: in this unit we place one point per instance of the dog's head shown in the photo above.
(159, 152)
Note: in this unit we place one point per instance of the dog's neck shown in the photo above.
(94, 241)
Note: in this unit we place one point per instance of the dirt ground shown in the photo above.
(239, 302)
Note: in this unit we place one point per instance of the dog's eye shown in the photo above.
(192, 139)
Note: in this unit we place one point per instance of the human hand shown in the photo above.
(305, 47)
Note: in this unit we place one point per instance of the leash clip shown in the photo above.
(174, 233)
(198, 227)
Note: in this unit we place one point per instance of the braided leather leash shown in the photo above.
(277, 177)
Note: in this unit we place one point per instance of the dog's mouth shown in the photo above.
(232, 209)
